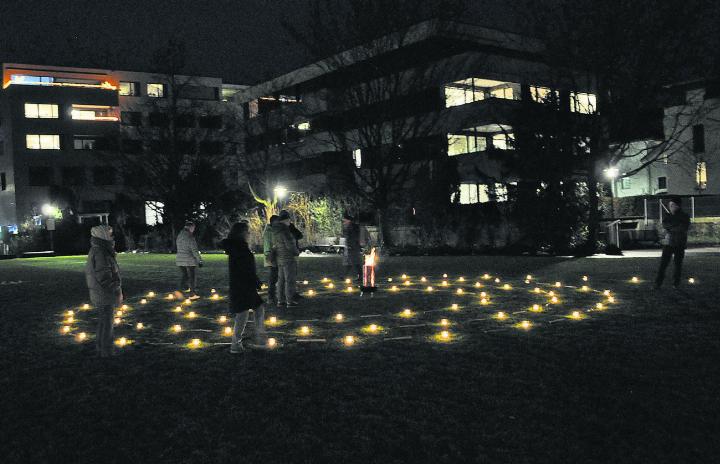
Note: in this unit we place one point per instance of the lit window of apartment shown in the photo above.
(155, 90)
(41, 111)
(541, 94)
(357, 157)
(81, 142)
(22, 79)
(93, 113)
(701, 175)
(698, 134)
(459, 144)
(475, 89)
(128, 89)
(504, 141)
(625, 183)
(583, 102)
(662, 183)
(42, 142)
(472, 193)
(502, 92)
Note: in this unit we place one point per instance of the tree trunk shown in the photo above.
(594, 212)
(384, 239)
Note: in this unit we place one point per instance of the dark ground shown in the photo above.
(635, 383)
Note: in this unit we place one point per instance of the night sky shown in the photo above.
(241, 41)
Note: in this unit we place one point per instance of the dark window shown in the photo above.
(158, 119)
(209, 147)
(196, 92)
(211, 122)
(2, 147)
(73, 176)
(185, 120)
(131, 146)
(712, 90)
(699, 138)
(40, 176)
(103, 175)
(131, 118)
(3, 181)
(662, 183)
(84, 143)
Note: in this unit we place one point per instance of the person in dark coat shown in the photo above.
(244, 286)
(270, 262)
(676, 224)
(104, 284)
(352, 254)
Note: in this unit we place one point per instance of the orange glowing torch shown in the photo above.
(368, 283)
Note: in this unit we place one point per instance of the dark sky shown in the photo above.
(240, 40)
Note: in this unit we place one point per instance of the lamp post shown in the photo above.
(50, 212)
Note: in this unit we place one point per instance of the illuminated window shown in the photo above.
(502, 92)
(93, 113)
(461, 144)
(155, 90)
(42, 142)
(153, 213)
(128, 89)
(472, 193)
(22, 79)
(357, 157)
(583, 102)
(41, 111)
(701, 175)
(541, 94)
(504, 141)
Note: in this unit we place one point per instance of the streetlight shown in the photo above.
(280, 191)
(50, 212)
(612, 172)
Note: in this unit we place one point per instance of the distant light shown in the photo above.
(280, 191)
(444, 322)
(49, 210)
(349, 340)
(139, 326)
(271, 342)
(612, 172)
(339, 317)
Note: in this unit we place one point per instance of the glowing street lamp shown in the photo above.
(280, 192)
(612, 172)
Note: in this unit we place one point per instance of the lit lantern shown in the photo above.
(445, 335)
(143, 301)
(177, 328)
(459, 291)
(486, 276)
(444, 283)
(81, 336)
(121, 342)
(501, 315)
(222, 319)
(406, 313)
(311, 292)
(525, 325)
(273, 320)
(575, 315)
(635, 280)
(444, 322)
(536, 308)
(554, 300)
(151, 294)
(537, 290)
(86, 306)
(348, 340)
(195, 343)
(271, 342)
(139, 326)
(177, 309)
(339, 317)
(478, 285)
(454, 307)
(66, 329)
(118, 321)
(191, 315)
(394, 288)
(599, 306)
(444, 276)
(368, 281)
(507, 287)
(558, 284)
(227, 331)
(691, 280)
(305, 330)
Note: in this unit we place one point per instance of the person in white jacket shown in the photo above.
(188, 259)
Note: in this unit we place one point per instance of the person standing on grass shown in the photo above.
(352, 254)
(270, 263)
(244, 284)
(676, 224)
(286, 253)
(104, 284)
(188, 259)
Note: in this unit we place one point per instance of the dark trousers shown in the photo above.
(272, 283)
(667, 254)
(104, 338)
(188, 278)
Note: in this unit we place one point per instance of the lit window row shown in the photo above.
(24, 79)
(473, 193)
(460, 144)
(132, 89)
(41, 111)
(79, 112)
(42, 142)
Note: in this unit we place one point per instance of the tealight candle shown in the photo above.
(459, 291)
(407, 313)
(558, 284)
(195, 343)
(389, 279)
(151, 294)
(227, 331)
(444, 322)
(81, 336)
(305, 282)
(525, 324)
(444, 283)
(483, 294)
(554, 299)
(486, 276)
(506, 287)
(311, 292)
(461, 279)
(339, 317)
(70, 313)
(305, 330)
(125, 307)
(483, 301)
(477, 285)
(444, 334)
(537, 290)
(454, 306)
(119, 313)
(122, 341)
(404, 276)
(177, 328)
(86, 306)
(330, 285)
(222, 319)
(170, 296)
(143, 301)
(349, 340)
(272, 320)
(691, 280)
(373, 328)
(528, 277)
(66, 329)
(575, 315)
(599, 306)
(497, 280)
(117, 321)
(177, 309)
(139, 326)
(536, 308)
(271, 342)
(429, 288)
(444, 276)
(349, 289)
(191, 315)
(585, 278)
(423, 279)
(635, 280)
(393, 288)
(501, 315)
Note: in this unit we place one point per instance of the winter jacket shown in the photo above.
(676, 229)
(102, 273)
(268, 251)
(187, 250)
(242, 273)
(286, 250)
(297, 235)
(352, 254)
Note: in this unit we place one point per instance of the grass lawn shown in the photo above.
(635, 382)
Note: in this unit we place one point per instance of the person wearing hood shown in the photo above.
(244, 286)
(286, 253)
(104, 284)
(188, 259)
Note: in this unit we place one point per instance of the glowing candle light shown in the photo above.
(339, 317)
(139, 326)
(117, 321)
(121, 342)
(527, 281)
(273, 320)
(119, 313)
(606, 292)
(212, 290)
(558, 284)
(497, 280)
(324, 279)
(501, 315)
(404, 276)
(222, 319)
(584, 288)
(483, 301)
(191, 315)
(483, 294)
(575, 315)
(373, 327)
(423, 279)
(177, 328)
(81, 336)
(348, 340)
(406, 313)
(86, 306)
(215, 296)
(525, 325)
(429, 288)
(528, 277)
(188, 301)
(635, 280)
(195, 343)
(305, 330)
(599, 306)
(461, 279)
(70, 320)
(330, 285)
(177, 309)
(349, 289)
(554, 299)
(394, 288)
(691, 280)
(170, 296)
(444, 322)
(478, 284)
(70, 313)
(389, 279)
(551, 293)
(445, 335)
(486, 276)
(611, 299)
(125, 307)
(444, 283)
(227, 331)
(272, 342)
(506, 287)
(459, 291)
(311, 292)
(585, 278)
(454, 306)
(143, 301)
(151, 294)
(305, 282)
(536, 290)
(66, 329)
(407, 282)
(536, 308)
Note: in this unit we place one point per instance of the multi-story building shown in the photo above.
(457, 88)
(60, 128)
